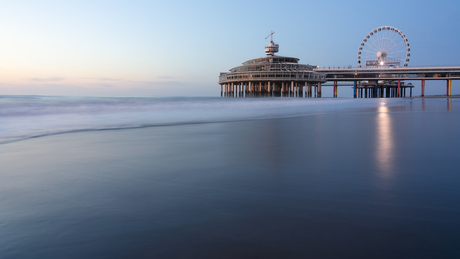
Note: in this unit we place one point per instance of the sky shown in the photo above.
(178, 48)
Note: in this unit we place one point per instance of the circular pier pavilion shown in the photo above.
(272, 76)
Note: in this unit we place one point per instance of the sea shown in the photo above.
(93, 177)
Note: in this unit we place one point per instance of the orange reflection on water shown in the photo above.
(385, 142)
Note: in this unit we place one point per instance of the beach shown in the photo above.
(364, 182)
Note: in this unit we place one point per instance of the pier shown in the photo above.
(389, 81)
(385, 74)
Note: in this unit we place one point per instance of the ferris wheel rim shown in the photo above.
(377, 47)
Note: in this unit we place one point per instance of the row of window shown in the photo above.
(271, 60)
(276, 67)
(287, 76)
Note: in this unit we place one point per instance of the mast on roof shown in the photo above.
(272, 48)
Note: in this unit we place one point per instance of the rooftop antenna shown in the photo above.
(271, 36)
(272, 48)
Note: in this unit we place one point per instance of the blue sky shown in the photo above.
(178, 48)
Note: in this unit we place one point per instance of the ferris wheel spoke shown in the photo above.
(388, 40)
(384, 39)
(378, 41)
(374, 47)
(368, 57)
(381, 40)
(373, 52)
(393, 41)
(396, 58)
(396, 52)
(371, 43)
(399, 44)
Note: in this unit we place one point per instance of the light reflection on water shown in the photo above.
(385, 142)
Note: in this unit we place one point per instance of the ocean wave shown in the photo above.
(25, 117)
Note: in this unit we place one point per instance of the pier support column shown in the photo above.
(292, 89)
(282, 88)
(250, 87)
(305, 90)
(449, 83)
(319, 91)
(269, 89)
(399, 88)
(355, 90)
(334, 90)
(423, 88)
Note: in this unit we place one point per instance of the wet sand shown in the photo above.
(374, 183)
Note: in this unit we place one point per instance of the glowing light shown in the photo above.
(381, 62)
(385, 145)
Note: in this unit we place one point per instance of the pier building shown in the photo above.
(272, 76)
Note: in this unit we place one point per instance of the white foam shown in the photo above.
(23, 117)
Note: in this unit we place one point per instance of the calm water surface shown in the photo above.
(373, 180)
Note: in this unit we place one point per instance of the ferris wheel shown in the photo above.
(384, 47)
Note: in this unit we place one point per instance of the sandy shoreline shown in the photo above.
(362, 181)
